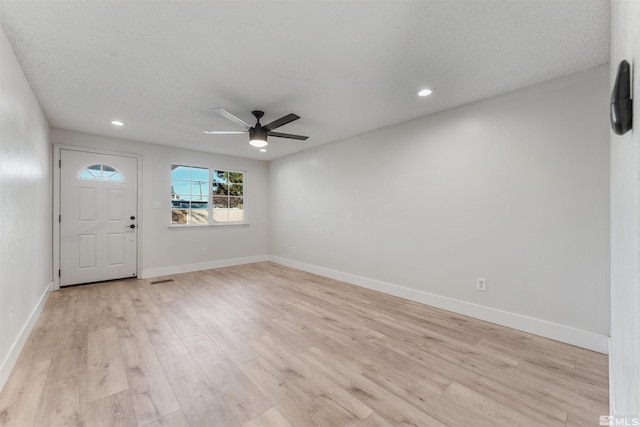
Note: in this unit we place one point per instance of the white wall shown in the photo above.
(514, 189)
(624, 359)
(169, 250)
(25, 208)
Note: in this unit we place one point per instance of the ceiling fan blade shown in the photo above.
(281, 122)
(223, 132)
(228, 115)
(287, 135)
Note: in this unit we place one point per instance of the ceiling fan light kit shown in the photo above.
(257, 137)
(258, 133)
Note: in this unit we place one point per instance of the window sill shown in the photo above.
(217, 224)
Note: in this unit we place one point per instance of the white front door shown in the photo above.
(98, 217)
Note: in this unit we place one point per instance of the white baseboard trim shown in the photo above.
(23, 335)
(188, 268)
(554, 331)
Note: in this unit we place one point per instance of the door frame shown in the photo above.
(57, 190)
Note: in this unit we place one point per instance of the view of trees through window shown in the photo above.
(206, 196)
(228, 196)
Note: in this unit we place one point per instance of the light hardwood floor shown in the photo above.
(265, 345)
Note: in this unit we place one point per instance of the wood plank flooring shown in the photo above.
(262, 345)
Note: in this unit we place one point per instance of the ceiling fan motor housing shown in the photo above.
(257, 133)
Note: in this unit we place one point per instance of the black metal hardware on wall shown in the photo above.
(621, 112)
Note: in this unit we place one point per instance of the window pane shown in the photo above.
(199, 215)
(220, 215)
(179, 216)
(179, 204)
(220, 189)
(199, 190)
(199, 204)
(220, 209)
(236, 211)
(235, 190)
(220, 202)
(180, 172)
(189, 194)
(115, 177)
(108, 168)
(231, 208)
(236, 177)
(180, 189)
(200, 174)
(85, 174)
(220, 177)
(235, 203)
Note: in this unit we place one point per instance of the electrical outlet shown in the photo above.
(203, 251)
(10, 316)
(481, 284)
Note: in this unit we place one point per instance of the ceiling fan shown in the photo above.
(258, 133)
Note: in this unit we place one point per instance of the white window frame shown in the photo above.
(211, 223)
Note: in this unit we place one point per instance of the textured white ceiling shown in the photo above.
(346, 67)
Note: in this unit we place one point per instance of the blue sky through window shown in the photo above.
(190, 183)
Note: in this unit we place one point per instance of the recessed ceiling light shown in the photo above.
(425, 92)
(117, 123)
(263, 150)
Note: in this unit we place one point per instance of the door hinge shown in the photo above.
(59, 163)
(59, 273)
(59, 218)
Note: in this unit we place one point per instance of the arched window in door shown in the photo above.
(101, 173)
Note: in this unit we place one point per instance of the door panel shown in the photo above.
(98, 196)
(116, 249)
(86, 251)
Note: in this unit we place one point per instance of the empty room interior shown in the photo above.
(319, 213)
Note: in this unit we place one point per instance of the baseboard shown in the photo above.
(612, 374)
(23, 335)
(555, 331)
(188, 268)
